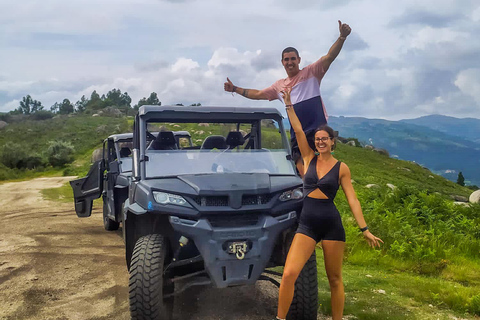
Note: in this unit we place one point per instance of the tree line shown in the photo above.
(114, 98)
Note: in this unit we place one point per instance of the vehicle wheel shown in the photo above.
(305, 300)
(147, 285)
(108, 224)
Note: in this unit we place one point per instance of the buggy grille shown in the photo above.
(214, 201)
(233, 220)
(252, 200)
(222, 201)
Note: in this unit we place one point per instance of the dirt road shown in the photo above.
(54, 265)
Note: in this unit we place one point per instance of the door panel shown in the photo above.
(86, 189)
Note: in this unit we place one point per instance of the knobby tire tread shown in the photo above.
(146, 280)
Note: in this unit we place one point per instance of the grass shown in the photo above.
(378, 293)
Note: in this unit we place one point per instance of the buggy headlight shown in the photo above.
(168, 198)
(294, 194)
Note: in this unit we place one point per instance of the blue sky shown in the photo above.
(403, 59)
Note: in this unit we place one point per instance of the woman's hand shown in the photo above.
(286, 96)
(371, 239)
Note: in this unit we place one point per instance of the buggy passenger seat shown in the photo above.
(165, 141)
(212, 142)
(235, 139)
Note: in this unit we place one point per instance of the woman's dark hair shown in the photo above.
(330, 131)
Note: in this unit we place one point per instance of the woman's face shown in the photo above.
(323, 142)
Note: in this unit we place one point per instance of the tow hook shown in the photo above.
(239, 249)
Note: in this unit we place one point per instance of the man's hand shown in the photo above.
(228, 86)
(344, 29)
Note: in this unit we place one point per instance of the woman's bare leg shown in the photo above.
(333, 257)
(299, 253)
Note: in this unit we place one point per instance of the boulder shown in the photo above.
(372, 185)
(97, 154)
(458, 198)
(203, 125)
(391, 186)
(3, 124)
(465, 204)
(351, 143)
(475, 197)
(111, 111)
(369, 147)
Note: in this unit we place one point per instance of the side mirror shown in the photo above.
(114, 167)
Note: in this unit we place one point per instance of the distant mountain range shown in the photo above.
(445, 145)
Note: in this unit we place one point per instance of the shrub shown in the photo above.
(42, 115)
(59, 153)
(13, 155)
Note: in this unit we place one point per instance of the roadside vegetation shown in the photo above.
(428, 268)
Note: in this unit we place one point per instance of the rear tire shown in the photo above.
(108, 224)
(147, 285)
(305, 300)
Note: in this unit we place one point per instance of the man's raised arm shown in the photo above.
(337, 46)
(247, 93)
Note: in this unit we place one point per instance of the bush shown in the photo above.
(42, 115)
(13, 155)
(59, 153)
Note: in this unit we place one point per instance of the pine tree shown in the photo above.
(461, 179)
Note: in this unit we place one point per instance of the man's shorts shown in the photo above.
(296, 151)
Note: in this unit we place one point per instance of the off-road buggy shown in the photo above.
(220, 210)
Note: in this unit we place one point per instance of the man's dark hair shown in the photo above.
(290, 49)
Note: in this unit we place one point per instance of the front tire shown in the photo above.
(147, 285)
(305, 300)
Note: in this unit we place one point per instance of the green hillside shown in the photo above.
(31, 139)
(429, 266)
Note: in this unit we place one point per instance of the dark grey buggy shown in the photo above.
(218, 210)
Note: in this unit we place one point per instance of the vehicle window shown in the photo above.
(217, 148)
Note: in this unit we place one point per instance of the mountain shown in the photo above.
(443, 153)
(468, 128)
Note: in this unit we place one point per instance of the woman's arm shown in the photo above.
(346, 183)
(305, 149)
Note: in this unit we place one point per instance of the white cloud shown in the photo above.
(468, 81)
(403, 59)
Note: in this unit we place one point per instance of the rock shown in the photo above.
(203, 125)
(382, 151)
(475, 197)
(391, 186)
(369, 147)
(406, 169)
(465, 204)
(3, 124)
(458, 198)
(430, 176)
(95, 115)
(351, 143)
(111, 111)
(372, 185)
(353, 181)
(97, 154)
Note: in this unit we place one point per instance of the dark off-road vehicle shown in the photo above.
(218, 210)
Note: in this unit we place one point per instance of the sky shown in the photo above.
(403, 59)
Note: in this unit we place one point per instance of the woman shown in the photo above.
(320, 220)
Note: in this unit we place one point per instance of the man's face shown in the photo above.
(290, 62)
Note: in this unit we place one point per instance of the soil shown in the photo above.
(54, 265)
